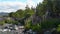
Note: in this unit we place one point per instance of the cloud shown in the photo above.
(31, 3)
(12, 6)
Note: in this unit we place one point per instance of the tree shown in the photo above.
(11, 14)
(41, 8)
(53, 9)
(29, 11)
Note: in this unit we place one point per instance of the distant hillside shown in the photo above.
(3, 14)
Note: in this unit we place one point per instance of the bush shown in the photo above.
(36, 27)
(2, 22)
(51, 23)
(58, 28)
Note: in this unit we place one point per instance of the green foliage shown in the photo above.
(11, 21)
(36, 27)
(28, 24)
(18, 14)
(41, 8)
(52, 6)
(22, 13)
(58, 28)
(11, 14)
(51, 23)
(2, 22)
(29, 11)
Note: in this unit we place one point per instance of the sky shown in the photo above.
(14, 5)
